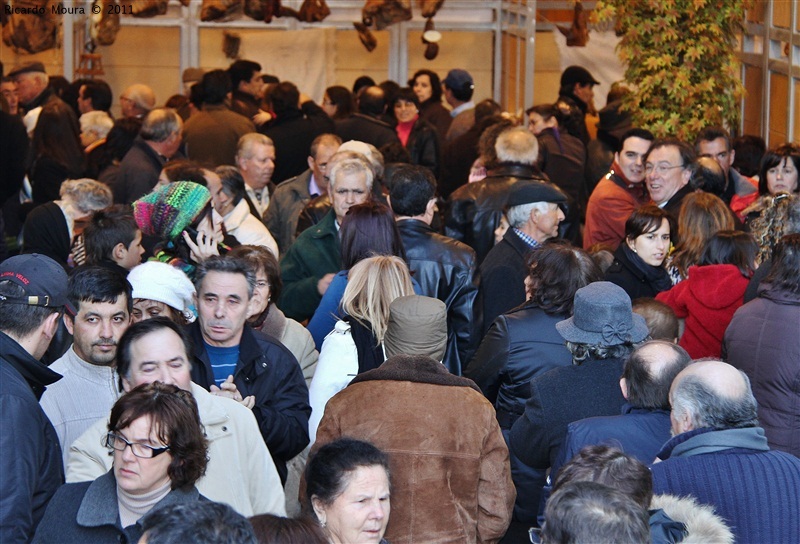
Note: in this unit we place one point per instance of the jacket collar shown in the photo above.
(414, 225)
(34, 372)
(99, 505)
(326, 226)
(514, 170)
(252, 360)
(519, 245)
(414, 368)
(707, 440)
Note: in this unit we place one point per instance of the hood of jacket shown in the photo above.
(717, 286)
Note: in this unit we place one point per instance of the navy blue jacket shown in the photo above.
(754, 489)
(639, 432)
(269, 371)
(558, 398)
(519, 346)
(31, 467)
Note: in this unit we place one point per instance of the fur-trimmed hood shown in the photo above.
(702, 524)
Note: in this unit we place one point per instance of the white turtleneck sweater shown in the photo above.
(133, 507)
(85, 394)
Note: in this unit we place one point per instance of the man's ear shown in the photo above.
(69, 323)
(126, 385)
(430, 207)
(118, 253)
(623, 386)
(51, 325)
(310, 163)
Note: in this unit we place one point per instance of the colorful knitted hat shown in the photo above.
(168, 210)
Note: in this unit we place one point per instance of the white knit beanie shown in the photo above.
(161, 282)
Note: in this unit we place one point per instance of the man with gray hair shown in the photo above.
(534, 214)
(309, 265)
(32, 80)
(137, 101)
(158, 142)
(255, 158)
(474, 210)
(719, 455)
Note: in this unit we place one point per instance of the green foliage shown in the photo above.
(681, 59)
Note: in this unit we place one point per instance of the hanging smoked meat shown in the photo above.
(313, 11)
(30, 32)
(429, 8)
(148, 8)
(578, 34)
(219, 10)
(385, 12)
(104, 26)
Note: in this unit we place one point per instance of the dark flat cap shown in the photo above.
(527, 192)
(577, 74)
(27, 68)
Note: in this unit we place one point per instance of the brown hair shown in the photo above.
(647, 219)
(702, 215)
(175, 419)
(272, 529)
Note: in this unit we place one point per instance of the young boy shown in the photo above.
(113, 239)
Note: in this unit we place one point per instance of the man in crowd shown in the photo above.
(445, 269)
(576, 99)
(137, 101)
(247, 87)
(292, 195)
(240, 471)
(112, 239)
(534, 214)
(475, 209)
(366, 125)
(668, 167)
(89, 387)
(719, 455)
(95, 95)
(458, 88)
(231, 358)
(255, 158)
(158, 142)
(619, 193)
(644, 425)
(715, 142)
(33, 295)
(298, 120)
(32, 86)
(311, 262)
(212, 134)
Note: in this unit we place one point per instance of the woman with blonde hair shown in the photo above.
(702, 215)
(356, 343)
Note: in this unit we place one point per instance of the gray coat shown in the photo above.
(286, 203)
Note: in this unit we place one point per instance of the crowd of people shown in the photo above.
(396, 316)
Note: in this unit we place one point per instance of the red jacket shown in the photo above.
(707, 299)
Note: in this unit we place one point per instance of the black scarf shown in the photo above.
(657, 276)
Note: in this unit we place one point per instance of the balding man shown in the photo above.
(137, 101)
(644, 425)
(474, 210)
(366, 125)
(719, 455)
(158, 142)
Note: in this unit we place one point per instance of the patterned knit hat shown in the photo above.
(168, 210)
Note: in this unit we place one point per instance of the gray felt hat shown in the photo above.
(603, 316)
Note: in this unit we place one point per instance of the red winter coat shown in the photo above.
(707, 299)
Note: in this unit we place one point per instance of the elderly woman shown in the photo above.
(266, 317)
(638, 265)
(50, 229)
(159, 450)
(228, 194)
(160, 290)
(347, 491)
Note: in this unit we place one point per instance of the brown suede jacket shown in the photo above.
(451, 478)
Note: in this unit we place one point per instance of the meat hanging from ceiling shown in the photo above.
(578, 34)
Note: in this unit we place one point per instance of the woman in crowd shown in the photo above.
(266, 317)
(778, 174)
(524, 342)
(181, 170)
(638, 263)
(272, 529)
(180, 215)
(161, 290)
(368, 229)
(417, 135)
(338, 102)
(762, 340)
(347, 491)
(713, 291)
(702, 215)
(355, 345)
(428, 88)
(51, 229)
(159, 453)
(57, 151)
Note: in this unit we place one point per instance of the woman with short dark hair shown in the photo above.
(428, 88)
(347, 491)
(417, 135)
(159, 450)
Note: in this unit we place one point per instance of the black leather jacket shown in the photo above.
(474, 209)
(423, 146)
(447, 270)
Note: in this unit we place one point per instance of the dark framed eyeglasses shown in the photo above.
(117, 442)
